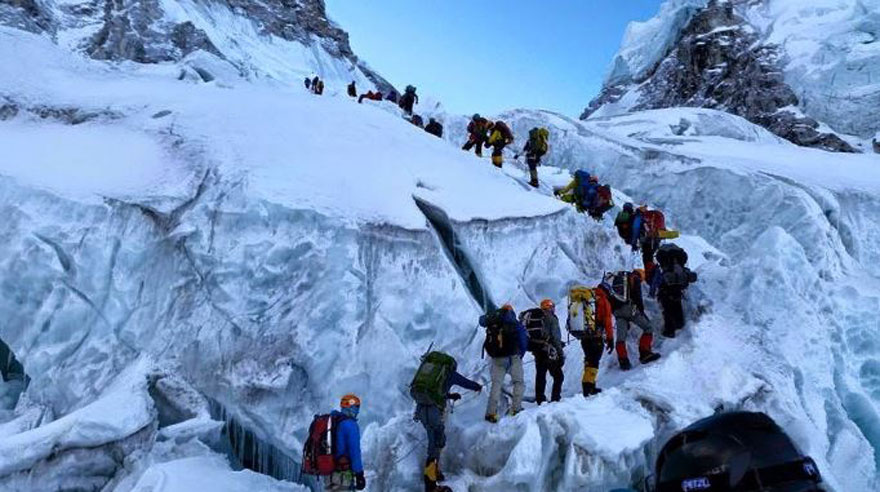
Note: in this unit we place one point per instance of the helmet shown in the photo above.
(628, 207)
(476, 116)
(547, 304)
(740, 451)
(594, 179)
(507, 307)
(643, 208)
(350, 400)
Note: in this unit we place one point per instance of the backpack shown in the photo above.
(670, 255)
(428, 386)
(677, 277)
(318, 450)
(654, 222)
(581, 312)
(538, 141)
(533, 320)
(501, 336)
(617, 285)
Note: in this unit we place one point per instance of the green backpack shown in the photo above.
(538, 140)
(428, 386)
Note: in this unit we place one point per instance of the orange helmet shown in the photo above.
(507, 307)
(350, 400)
(547, 304)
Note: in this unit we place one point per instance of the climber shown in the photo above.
(669, 285)
(499, 137)
(648, 230)
(308, 83)
(506, 343)
(589, 320)
(624, 222)
(408, 99)
(352, 89)
(734, 451)
(349, 474)
(534, 150)
(319, 89)
(478, 130)
(587, 195)
(430, 387)
(624, 292)
(545, 343)
(372, 96)
(434, 128)
(417, 121)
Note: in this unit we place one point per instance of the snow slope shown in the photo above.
(266, 253)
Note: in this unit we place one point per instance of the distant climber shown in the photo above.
(478, 132)
(434, 128)
(499, 137)
(648, 230)
(417, 121)
(317, 86)
(624, 292)
(669, 285)
(430, 387)
(876, 144)
(408, 100)
(392, 96)
(308, 83)
(585, 192)
(624, 222)
(545, 343)
(372, 96)
(352, 89)
(589, 320)
(506, 343)
(535, 148)
(339, 464)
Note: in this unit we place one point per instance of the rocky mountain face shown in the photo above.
(721, 61)
(146, 31)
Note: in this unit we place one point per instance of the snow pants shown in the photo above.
(543, 365)
(499, 367)
(339, 482)
(592, 347)
(533, 170)
(497, 153)
(625, 318)
(472, 141)
(432, 419)
(649, 248)
(673, 312)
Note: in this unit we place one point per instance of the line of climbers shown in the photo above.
(497, 135)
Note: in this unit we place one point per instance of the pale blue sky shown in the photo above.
(487, 56)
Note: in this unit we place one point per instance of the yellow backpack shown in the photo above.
(581, 312)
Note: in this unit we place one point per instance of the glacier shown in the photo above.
(253, 248)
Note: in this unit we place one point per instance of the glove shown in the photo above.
(480, 389)
(360, 482)
(454, 396)
(609, 346)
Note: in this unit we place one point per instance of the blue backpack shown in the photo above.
(585, 191)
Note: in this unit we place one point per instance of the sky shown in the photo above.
(489, 56)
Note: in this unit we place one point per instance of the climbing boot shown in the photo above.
(492, 418)
(534, 183)
(590, 389)
(649, 357)
(625, 365)
(513, 413)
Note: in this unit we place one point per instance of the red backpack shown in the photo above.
(654, 221)
(320, 445)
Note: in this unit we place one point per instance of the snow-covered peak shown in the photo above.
(816, 64)
(273, 40)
